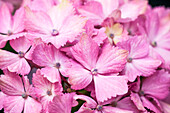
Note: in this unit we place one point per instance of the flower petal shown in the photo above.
(109, 86)
(86, 52)
(13, 104)
(111, 60)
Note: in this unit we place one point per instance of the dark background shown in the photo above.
(153, 3)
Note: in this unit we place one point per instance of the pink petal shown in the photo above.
(44, 85)
(109, 86)
(7, 58)
(18, 21)
(127, 104)
(136, 8)
(5, 23)
(13, 104)
(93, 11)
(79, 77)
(43, 55)
(109, 109)
(32, 106)
(65, 8)
(62, 104)
(21, 67)
(137, 47)
(11, 84)
(166, 107)
(90, 103)
(157, 85)
(111, 60)
(149, 105)
(146, 66)
(86, 52)
(33, 24)
(2, 98)
(51, 73)
(109, 6)
(20, 44)
(137, 101)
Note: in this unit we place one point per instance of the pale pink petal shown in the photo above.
(100, 37)
(90, 103)
(152, 25)
(146, 66)
(2, 98)
(43, 55)
(13, 104)
(62, 104)
(21, 67)
(7, 58)
(157, 85)
(86, 52)
(165, 106)
(32, 106)
(72, 27)
(18, 21)
(131, 72)
(43, 84)
(127, 104)
(109, 109)
(93, 11)
(65, 8)
(164, 53)
(109, 86)
(108, 6)
(137, 101)
(137, 46)
(11, 84)
(149, 105)
(20, 44)
(33, 23)
(135, 8)
(79, 77)
(111, 60)
(163, 41)
(5, 23)
(51, 73)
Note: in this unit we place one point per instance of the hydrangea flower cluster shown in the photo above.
(84, 56)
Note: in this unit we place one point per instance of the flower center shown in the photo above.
(55, 32)
(99, 107)
(141, 93)
(21, 54)
(94, 71)
(111, 35)
(9, 32)
(129, 60)
(49, 93)
(58, 65)
(153, 44)
(24, 95)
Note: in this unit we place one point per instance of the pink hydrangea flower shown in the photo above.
(18, 91)
(101, 68)
(91, 106)
(58, 29)
(158, 37)
(62, 104)
(2, 98)
(149, 93)
(45, 90)
(53, 61)
(138, 61)
(99, 10)
(16, 62)
(11, 27)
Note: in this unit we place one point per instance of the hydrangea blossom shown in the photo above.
(84, 56)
